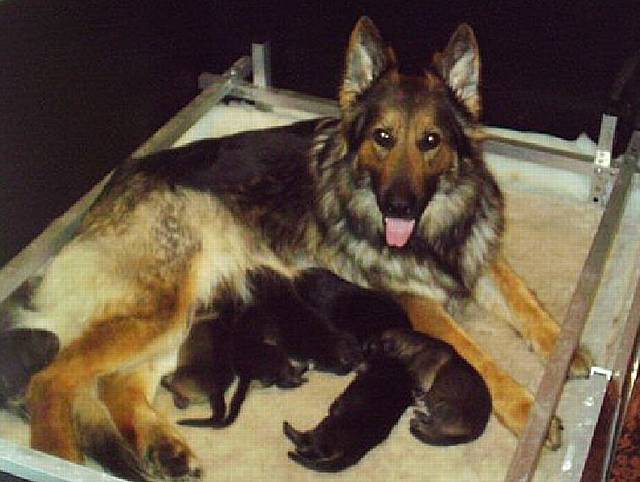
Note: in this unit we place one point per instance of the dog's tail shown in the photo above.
(99, 438)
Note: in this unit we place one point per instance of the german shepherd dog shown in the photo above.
(393, 195)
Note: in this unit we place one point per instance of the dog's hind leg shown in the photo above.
(503, 288)
(111, 344)
(158, 445)
(511, 401)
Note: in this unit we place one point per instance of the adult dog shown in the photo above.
(393, 195)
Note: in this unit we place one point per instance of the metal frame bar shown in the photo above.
(525, 458)
(49, 242)
(591, 397)
(559, 159)
(271, 96)
(601, 180)
(261, 64)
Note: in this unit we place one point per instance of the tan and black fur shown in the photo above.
(179, 231)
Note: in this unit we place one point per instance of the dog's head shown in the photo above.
(408, 132)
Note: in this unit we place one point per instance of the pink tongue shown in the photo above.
(398, 231)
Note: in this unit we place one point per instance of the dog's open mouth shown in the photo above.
(398, 231)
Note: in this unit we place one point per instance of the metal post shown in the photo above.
(602, 173)
(169, 133)
(261, 60)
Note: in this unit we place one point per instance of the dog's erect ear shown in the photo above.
(367, 58)
(459, 65)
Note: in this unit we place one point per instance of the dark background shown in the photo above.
(82, 84)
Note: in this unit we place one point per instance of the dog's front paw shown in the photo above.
(581, 363)
(554, 435)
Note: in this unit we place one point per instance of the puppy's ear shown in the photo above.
(459, 65)
(366, 60)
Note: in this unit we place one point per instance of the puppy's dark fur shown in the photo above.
(245, 357)
(358, 420)
(255, 342)
(453, 400)
(282, 312)
(402, 367)
(347, 307)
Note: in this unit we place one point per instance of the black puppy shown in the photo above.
(285, 313)
(23, 352)
(213, 356)
(402, 367)
(256, 342)
(359, 419)
(363, 313)
(454, 403)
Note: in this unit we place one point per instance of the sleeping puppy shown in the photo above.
(359, 419)
(215, 354)
(204, 369)
(454, 403)
(249, 358)
(453, 407)
(257, 342)
(402, 367)
(284, 312)
(363, 313)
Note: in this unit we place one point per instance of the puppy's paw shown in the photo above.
(332, 462)
(302, 440)
(421, 426)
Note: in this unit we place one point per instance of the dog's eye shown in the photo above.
(383, 138)
(429, 141)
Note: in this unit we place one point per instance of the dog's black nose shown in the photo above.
(400, 205)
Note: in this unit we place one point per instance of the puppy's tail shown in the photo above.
(100, 439)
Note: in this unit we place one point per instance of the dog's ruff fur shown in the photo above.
(179, 231)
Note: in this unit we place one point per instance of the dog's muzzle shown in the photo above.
(400, 209)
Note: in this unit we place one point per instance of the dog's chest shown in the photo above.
(371, 268)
